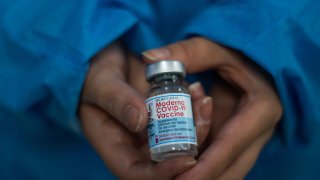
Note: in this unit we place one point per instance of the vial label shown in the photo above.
(170, 120)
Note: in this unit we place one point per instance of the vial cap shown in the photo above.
(165, 66)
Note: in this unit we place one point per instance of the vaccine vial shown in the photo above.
(171, 129)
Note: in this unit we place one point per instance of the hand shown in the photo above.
(113, 118)
(235, 140)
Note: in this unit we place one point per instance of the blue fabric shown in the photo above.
(45, 47)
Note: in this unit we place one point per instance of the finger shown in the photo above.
(258, 111)
(202, 109)
(242, 129)
(119, 152)
(165, 170)
(125, 104)
(200, 54)
(136, 76)
(197, 54)
(246, 160)
(105, 86)
(101, 129)
(112, 141)
(172, 167)
(225, 104)
(196, 91)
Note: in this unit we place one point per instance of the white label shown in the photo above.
(170, 120)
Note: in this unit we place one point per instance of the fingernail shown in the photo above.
(157, 54)
(140, 117)
(190, 163)
(195, 86)
(205, 109)
(187, 165)
(149, 56)
(134, 119)
(206, 101)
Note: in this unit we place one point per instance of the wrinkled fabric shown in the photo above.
(45, 48)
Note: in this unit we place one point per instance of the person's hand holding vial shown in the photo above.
(235, 141)
(114, 117)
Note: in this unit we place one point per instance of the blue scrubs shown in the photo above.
(45, 47)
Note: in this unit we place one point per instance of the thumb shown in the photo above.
(197, 54)
(106, 87)
(123, 103)
(112, 94)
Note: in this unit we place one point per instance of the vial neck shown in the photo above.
(166, 80)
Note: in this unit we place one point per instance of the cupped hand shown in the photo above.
(114, 118)
(236, 140)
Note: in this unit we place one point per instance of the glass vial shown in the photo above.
(171, 129)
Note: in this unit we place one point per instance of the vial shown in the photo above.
(171, 129)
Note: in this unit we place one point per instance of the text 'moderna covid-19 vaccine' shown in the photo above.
(171, 129)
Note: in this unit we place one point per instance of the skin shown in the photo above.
(246, 107)
(114, 118)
